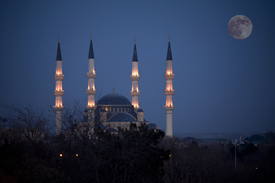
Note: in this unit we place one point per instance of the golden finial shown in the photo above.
(169, 37)
(135, 41)
(91, 36)
(113, 90)
(58, 39)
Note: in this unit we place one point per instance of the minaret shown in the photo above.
(169, 92)
(135, 78)
(91, 91)
(58, 92)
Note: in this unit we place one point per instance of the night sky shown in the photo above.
(221, 84)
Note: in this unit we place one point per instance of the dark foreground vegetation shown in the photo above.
(29, 153)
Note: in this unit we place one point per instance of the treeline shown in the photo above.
(30, 153)
(192, 163)
(129, 156)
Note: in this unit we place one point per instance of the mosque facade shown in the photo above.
(114, 111)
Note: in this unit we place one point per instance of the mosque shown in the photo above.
(114, 111)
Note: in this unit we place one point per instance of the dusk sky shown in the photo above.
(221, 84)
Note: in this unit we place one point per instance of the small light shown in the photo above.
(60, 155)
(170, 155)
(76, 155)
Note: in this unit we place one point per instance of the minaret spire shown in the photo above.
(58, 54)
(91, 50)
(135, 58)
(135, 78)
(58, 92)
(169, 52)
(91, 91)
(169, 92)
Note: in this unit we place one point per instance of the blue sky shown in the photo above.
(221, 84)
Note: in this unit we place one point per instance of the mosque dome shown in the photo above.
(113, 99)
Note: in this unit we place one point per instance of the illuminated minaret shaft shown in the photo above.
(135, 78)
(58, 92)
(91, 75)
(169, 92)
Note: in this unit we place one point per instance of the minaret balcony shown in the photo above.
(136, 108)
(58, 76)
(91, 91)
(58, 92)
(169, 76)
(135, 93)
(90, 107)
(169, 92)
(135, 77)
(58, 108)
(169, 107)
(91, 75)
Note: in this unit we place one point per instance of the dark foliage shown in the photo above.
(213, 163)
(130, 156)
(28, 153)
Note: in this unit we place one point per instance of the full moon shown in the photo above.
(239, 27)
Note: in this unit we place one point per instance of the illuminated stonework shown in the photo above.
(135, 78)
(91, 91)
(58, 92)
(169, 92)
